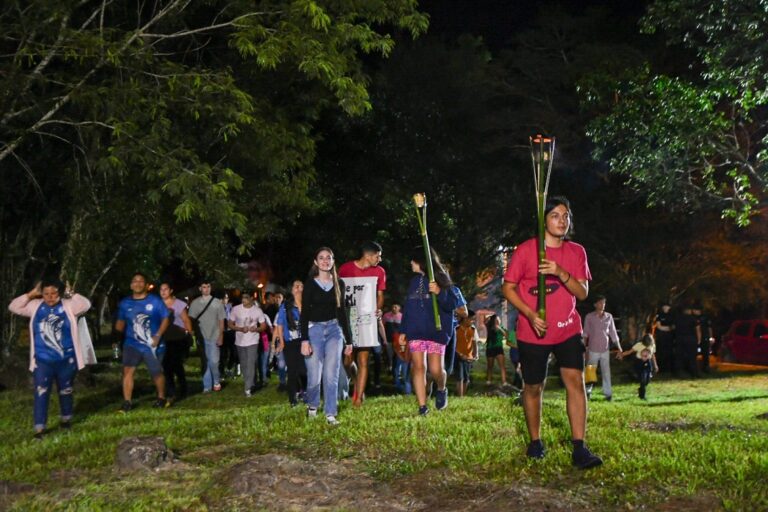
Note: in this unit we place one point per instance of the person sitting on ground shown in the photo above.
(55, 352)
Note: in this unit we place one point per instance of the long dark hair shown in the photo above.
(289, 303)
(490, 324)
(314, 271)
(442, 278)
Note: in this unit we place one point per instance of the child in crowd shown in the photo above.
(494, 348)
(514, 359)
(426, 342)
(645, 361)
(466, 350)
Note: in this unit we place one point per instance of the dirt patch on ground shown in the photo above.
(279, 482)
(10, 491)
(698, 503)
(674, 426)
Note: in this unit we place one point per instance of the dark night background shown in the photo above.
(451, 113)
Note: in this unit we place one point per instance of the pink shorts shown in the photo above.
(430, 347)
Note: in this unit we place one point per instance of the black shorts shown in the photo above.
(492, 352)
(534, 357)
(132, 357)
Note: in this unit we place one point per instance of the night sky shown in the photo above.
(497, 20)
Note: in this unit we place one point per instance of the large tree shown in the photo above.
(692, 132)
(132, 132)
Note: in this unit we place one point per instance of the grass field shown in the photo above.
(693, 445)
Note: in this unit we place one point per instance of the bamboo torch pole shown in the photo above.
(420, 201)
(542, 156)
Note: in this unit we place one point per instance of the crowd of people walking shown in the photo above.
(322, 336)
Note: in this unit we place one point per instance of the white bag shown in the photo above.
(86, 344)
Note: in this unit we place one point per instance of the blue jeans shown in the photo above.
(401, 374)
(211, 375)
(323, 365)
(263, 366)
(343, 384)
(44, 374)
(281, 368)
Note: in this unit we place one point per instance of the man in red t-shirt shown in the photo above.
(367, 271)
(567, 279)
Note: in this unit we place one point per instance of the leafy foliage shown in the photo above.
(169, 130)
(698, 138)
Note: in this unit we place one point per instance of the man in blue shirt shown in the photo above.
(143, 318)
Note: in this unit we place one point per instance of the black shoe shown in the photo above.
(126, 407)
(535, 450)
(38, 436)
(66, 425)
(609, 398)
(423, 410)
(161, 403)
(585, 459)
(441, 399)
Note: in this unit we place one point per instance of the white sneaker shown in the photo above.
(311, 413)
(248, 393)
(331, 420)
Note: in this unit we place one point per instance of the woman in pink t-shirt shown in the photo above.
(567, 279)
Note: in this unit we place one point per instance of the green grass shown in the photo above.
(716, 445)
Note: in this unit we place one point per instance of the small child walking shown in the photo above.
(645, 362)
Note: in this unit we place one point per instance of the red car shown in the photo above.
(746, 342)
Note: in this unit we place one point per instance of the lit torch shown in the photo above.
(420, 200)
(542, 155)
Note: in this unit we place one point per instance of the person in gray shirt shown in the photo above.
(209, 312)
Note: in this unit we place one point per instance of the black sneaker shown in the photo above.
(441, 399)
(38, 436)
(126, 407)
(423, 410)
(161, 403)
(535, 450)
(585, 459)
(66, 424)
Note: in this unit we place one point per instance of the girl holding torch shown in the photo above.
(566, 274)
(425, 339)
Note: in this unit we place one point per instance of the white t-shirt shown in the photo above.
(243, 317)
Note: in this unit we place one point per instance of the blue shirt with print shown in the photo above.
(53, 334)
(142, 319)
(282, 320)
